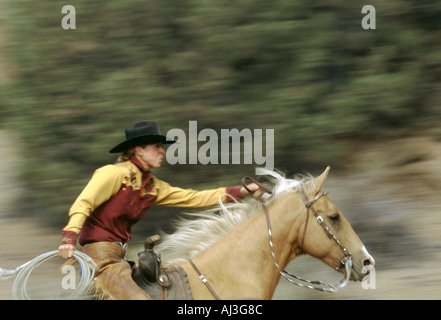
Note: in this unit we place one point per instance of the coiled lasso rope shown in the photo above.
(19, 288)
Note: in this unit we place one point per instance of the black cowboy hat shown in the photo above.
(141, 133)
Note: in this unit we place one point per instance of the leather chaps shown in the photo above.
(113, 278)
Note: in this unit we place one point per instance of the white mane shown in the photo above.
(198, 231)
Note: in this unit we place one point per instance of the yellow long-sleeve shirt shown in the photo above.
(117, 196)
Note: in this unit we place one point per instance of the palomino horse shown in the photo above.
(240, 250)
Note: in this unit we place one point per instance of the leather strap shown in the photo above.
(204, 280)
(265, 187)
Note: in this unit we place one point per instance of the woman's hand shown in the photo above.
(66, 251)
(254, 188)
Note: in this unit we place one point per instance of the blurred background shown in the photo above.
(365, 102)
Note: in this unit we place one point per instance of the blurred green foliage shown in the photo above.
(304, 68)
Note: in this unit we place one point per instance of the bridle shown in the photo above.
(319, 219)
(346, 262)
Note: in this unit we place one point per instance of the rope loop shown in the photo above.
(23, 272)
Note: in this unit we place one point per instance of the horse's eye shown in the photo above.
(334, 218)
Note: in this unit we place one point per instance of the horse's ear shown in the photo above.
(320, 180)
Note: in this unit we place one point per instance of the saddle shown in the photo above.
(159, 282)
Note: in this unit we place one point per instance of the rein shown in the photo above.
(204, 280)
(346, 262)
(310, 284)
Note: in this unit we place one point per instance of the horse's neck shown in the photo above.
(240, 265)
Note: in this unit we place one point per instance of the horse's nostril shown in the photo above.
(367, 262)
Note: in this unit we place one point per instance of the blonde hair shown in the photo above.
(126, 155)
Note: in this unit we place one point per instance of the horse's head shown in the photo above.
(328, 235)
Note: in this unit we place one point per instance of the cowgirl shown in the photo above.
(117, 196)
